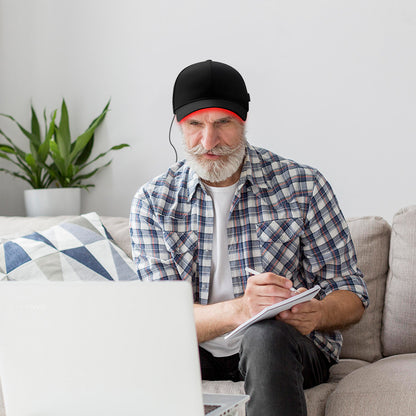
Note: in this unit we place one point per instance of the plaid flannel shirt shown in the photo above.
(284, 219)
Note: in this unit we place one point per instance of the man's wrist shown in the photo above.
(322, 320)
(239, 311)
(217, 319)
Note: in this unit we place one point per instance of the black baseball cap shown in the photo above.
(209, 84)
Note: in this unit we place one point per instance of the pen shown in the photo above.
(248, 270)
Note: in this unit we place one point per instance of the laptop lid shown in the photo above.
(98, 348)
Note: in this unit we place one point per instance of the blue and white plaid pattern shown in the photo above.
(284, 219)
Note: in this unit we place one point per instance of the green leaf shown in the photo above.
(58, 160)
(44, 147)
(3, 156)
(34, 155)
(118, 147)
(70, 172)
(52, 172)
(86, 153)
(7, 149)
(29, 135)
(62, 134)
(54, 147)
(51, 128)
(62, 146)
(45, 119)
(64, 123)
(20, 154)
(30, 160)
(105, 109)
(17, 175)
(85, 137)
(19, 162)
(88, 175)
(43, 151)
(35, 126)
(46, 179)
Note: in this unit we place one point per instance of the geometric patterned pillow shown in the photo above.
(78, 249)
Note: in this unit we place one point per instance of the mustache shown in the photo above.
(223, 150)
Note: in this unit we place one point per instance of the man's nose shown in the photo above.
(209, 137)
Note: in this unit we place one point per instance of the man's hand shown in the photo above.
(263, 290)
(338, 310)
(305, 317)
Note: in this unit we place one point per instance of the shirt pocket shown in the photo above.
(182, 244)
(280, 245)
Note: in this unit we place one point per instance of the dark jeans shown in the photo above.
(276, 363)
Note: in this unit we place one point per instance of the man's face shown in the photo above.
(215, 143)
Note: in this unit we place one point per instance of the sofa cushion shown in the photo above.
(344, 367)
(371, 237)
(78, 249)
(383, 388)
(316, 397)
(399, 321)
(118, 227)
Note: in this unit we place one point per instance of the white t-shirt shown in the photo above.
(221, 285)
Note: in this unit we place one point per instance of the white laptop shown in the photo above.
(101, 349)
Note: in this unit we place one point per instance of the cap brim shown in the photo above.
(187, 109)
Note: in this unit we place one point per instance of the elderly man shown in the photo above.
(229, 206)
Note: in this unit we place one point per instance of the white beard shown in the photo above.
(214, 171)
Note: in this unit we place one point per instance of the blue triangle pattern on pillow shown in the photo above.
(123, 270)
(82, 255)
(14, 256)
(109, 236)
(84, 235)
(39, 237)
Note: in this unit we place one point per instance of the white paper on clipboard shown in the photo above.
(273, 310)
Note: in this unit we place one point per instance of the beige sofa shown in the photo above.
(377, 371)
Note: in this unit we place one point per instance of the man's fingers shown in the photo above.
(266, 289)
(271, 279)
(273, 291)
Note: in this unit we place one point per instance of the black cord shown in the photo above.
(170, 140)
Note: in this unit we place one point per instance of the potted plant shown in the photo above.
(55, 166)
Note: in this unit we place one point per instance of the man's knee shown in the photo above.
(269, 346)
(269, 335)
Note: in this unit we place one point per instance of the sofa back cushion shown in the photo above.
(12, 227)
(399, 320)
(371, 236)
(118, 227)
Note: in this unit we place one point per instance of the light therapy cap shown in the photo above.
(209, 84)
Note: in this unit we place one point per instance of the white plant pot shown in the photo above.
(52, 202)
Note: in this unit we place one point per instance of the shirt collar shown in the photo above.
(252, 171)
(193, 182)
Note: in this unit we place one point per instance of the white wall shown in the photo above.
(332, 85)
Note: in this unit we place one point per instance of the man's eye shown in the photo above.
(224, 121)
(194, 123)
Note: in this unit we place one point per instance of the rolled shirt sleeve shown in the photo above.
(329, 254)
